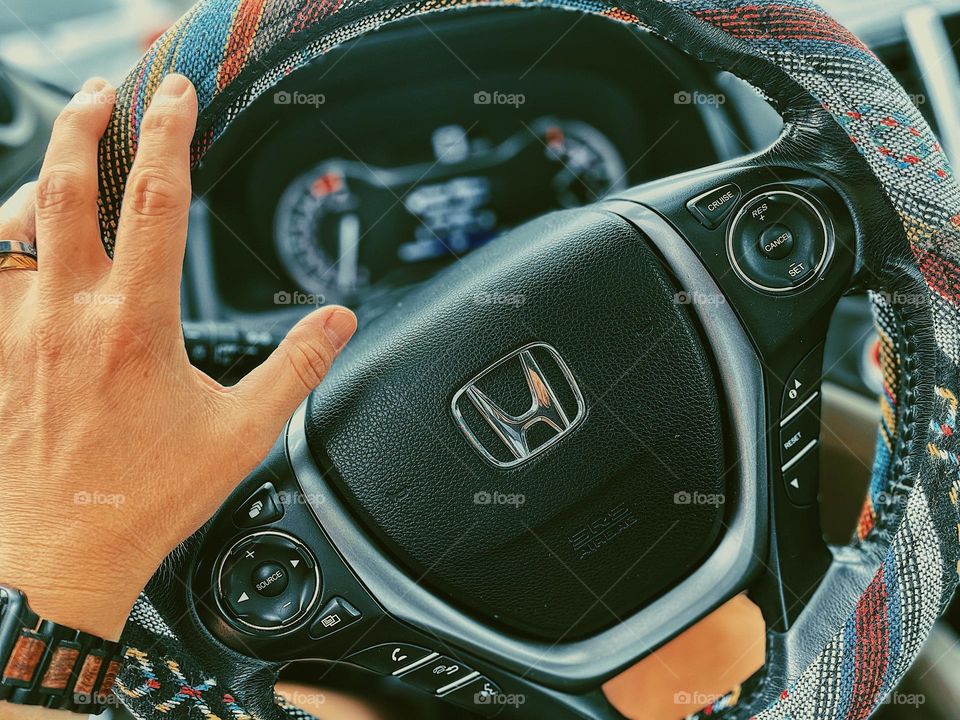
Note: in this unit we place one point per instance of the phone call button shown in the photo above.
(389, 658)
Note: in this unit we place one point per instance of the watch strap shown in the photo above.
(46, 664)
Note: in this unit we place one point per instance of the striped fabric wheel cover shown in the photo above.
(236, 50)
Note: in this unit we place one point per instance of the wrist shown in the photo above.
(73, 588)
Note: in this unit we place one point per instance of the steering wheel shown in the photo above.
(499, 501)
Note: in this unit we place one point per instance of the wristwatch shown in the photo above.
(50, 665)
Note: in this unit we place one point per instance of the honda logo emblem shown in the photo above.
(512, 432)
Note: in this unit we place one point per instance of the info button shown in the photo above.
(712, 208)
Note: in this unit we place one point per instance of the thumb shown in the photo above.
(271, 392)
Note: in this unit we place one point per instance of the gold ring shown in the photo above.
(15, 261)
(17, 255)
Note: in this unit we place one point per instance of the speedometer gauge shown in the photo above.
(345, 227)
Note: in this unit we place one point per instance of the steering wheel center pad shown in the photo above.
(831, 90)
(647, 468)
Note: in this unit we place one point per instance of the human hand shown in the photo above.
(114, 448)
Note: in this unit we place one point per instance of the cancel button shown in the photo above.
(776, 242)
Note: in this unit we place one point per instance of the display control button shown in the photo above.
(776, 242)
(799, 436)
(482, 696)
(261, 508)
(800, 479)
(438, 673)
(270, 579)
(779, 240)
(712, 208)
(336, 614)
(267, 581)
(802, 382)
(390, 658)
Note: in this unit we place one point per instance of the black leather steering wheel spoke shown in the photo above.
(563, 450)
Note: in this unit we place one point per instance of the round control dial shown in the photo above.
(779, 240)
(267, 581)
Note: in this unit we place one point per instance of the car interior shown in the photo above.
(541, 203)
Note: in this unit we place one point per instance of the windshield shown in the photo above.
(65, 42)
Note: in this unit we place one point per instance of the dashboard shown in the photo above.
(402, 151)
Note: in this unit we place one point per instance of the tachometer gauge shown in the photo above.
(344, 227)
(591, 164)
(318, 232)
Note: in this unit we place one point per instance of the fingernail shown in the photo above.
(94, 85)
(340, 326)
(173, 86)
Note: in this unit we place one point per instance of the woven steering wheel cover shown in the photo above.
(261, 41)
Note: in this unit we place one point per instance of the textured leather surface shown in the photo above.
(600, 504)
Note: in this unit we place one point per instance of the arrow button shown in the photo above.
(802, 381)
(800, 479)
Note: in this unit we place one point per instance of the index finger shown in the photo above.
(148, 257)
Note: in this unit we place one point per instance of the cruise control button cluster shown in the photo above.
(267, 581)
(779, 240)
(443, 676)
(800, 431)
